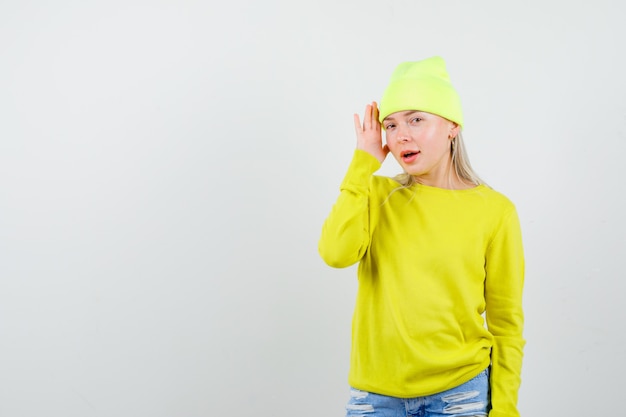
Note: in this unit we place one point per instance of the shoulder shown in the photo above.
(380, 184)
(495, 198)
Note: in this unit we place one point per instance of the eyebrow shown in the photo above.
(406, 115)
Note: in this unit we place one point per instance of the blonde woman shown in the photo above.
(438, 320)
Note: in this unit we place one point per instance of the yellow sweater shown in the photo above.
(431, 262)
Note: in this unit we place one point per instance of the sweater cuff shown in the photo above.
(360, 171)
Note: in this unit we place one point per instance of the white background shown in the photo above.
(165, 168)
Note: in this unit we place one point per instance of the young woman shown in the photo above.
(437, 326)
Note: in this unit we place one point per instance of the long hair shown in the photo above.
(460, 161)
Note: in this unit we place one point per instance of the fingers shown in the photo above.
(370, 118)
(374, 113)
(367, 117)
(368, 133)
(357, 124)
(370, 124)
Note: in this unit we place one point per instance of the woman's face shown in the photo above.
(420, 142)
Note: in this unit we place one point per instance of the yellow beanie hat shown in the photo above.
(424, 86)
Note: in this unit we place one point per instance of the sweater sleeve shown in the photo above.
(505, 317)
(345, 232)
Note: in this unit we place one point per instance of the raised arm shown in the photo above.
(345, 233)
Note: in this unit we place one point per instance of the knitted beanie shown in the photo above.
(424, 86)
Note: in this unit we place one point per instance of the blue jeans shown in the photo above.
(468, 399)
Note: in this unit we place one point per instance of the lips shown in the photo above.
(409, 156)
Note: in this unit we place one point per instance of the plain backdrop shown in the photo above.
(166, 166)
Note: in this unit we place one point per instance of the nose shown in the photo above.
(401, 134)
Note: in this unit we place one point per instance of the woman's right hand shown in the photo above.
(368, 135)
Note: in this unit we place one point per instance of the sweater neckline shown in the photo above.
(430, 188)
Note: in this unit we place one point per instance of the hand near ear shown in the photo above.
(368, 135)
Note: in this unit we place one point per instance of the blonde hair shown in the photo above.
(460, 161)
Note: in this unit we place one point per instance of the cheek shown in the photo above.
(392, 145)
(438, 141)
(443, 147)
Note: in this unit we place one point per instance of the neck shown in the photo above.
(448, 180)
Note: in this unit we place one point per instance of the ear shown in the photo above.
(454, 130)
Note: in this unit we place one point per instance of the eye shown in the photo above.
(389, 126)
(415, 120)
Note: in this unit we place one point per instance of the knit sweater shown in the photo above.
(440, 285)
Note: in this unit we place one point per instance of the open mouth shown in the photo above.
(408, 157)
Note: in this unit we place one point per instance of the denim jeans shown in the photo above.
(468, 399)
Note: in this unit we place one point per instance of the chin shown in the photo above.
(414, 172)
